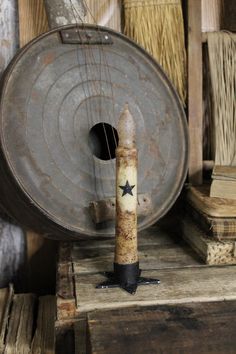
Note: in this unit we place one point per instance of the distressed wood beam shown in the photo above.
(195, 110)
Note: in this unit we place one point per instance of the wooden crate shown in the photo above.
(163, 255)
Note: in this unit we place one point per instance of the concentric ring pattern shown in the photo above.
(52, 97)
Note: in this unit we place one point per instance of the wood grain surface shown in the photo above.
(101, 260)
(199, 328)
(195, 109)
(181, 285)
(8, 32)
(44, 337)
(32, 20)
(105, 13)
(6, 296)
(19, 334)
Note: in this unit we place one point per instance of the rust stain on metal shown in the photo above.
(49, 58)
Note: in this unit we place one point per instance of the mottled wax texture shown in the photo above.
(126, 192)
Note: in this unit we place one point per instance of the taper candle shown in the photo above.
(126, 247)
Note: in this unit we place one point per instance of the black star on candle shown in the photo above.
(127, 189)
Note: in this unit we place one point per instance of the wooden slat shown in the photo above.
(19, 334)
(5, 303)
(32, 20)
(44, 338)
(177, 286)
(8, 32)
(66, 305)
(211, 11)
(80, 330)
(206, 328)
(64, 252)
(65, 284)
(105, 13)
(195, 110)
(101, 259)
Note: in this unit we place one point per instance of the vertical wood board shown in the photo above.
(8, 32)
(32, 20)
(64, 12)
(44, 337)
(104, 13)
(5, 303)
(195, 111)
(20, 325)
(211, 15)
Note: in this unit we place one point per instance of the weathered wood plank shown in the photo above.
(8, 32)
(44, 337)
(64, 12)
(65, 341)
(211, 15)
(177, 286)
(19, 334)
(80, 330)
(66, 302)
(32, 20)
(195, 110)
(206, 328)
(101, 259)
(5, 303)
(105, 13)
(64, 252)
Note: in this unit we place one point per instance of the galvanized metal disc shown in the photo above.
(54, 93)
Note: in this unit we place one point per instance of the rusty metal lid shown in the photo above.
(55, 97)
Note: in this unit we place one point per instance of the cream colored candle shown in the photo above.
(126, 252)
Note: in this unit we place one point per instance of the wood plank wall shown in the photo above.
(104, 12)
(8, 32)
(32, 20)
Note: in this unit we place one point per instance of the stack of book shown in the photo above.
(223, 182)
(209, 226)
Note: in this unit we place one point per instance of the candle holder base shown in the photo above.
(113, 282)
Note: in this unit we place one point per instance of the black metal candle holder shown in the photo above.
(126, 277)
